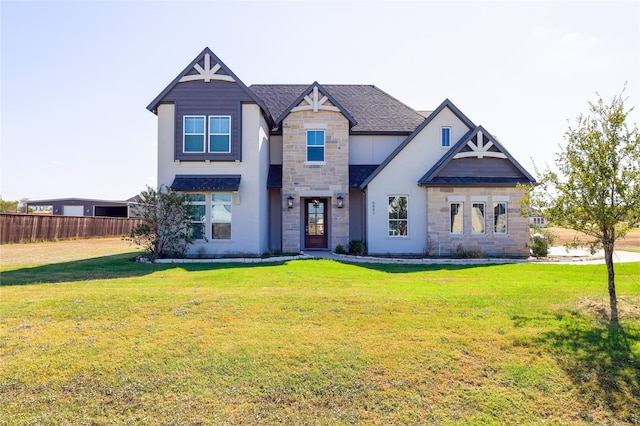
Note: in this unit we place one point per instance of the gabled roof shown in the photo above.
(187, 74)
(479, 144)
(315, 103)
(446, 104)
(375, 111)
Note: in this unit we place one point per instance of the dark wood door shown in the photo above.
(315, 223)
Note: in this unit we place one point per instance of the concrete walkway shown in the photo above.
(557, 255)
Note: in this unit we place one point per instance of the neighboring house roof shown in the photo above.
(82, 200)
(188, 72)
(373, 110)
(206, 183)
(446, 104)
(475, 146)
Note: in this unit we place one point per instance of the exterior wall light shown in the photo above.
(340, 201)
(290, 202)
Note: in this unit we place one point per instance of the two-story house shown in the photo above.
(287, 168)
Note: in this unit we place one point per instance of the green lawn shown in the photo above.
(109, 341)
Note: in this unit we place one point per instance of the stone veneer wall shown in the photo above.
(442, 242)
(306, 180)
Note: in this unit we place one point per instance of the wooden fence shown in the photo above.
(23, 228)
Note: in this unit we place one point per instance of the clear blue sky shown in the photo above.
(76, 77)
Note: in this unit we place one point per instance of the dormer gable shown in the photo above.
(207, 68)
(476, 159)
(315, 98)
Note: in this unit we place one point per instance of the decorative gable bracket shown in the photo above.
(479, 149)
(207, 73)
(315, 103)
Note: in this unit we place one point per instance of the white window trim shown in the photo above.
(450, 137)
(208, 222)
(211, 203)
(209, 134)
(506, 218)
(324, 146)
(184, 134)
(484, 218)
(461, 210)
(395, 237)
(204, 223)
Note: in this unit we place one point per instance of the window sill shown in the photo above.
(315, 163)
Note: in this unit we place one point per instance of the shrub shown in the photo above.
(465, 253)
(339, 249)
(166, 231)
(539, 245)
(356, 247)
(541, 241)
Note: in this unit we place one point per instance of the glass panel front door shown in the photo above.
(315, 223)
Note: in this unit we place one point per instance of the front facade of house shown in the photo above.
(293, 167)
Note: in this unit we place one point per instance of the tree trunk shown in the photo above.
(613, 300)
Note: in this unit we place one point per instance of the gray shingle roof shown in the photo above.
(206, 182)
(274, 179)
(374, 110)
(359, 173)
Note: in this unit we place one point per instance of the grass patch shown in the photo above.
(109, 341)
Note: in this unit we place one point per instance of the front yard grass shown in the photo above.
(109, 341)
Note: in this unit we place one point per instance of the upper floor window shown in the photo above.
(219, 133)
(218, 129)
(193, 128)
(398, 216)
(315, 145)
(446, 136)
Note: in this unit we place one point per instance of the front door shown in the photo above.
(315, 223)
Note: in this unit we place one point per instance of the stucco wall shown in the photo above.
(400, 177)
(372, 149)
(249, 229)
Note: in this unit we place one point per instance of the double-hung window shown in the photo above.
(456, 215)
(315, 145)
(219, 133)
(197, 129)
(198, 213)
(398, 216)
(477, 218)
(221, 216)
(193, 129)
(445, 136)
(500, 218)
